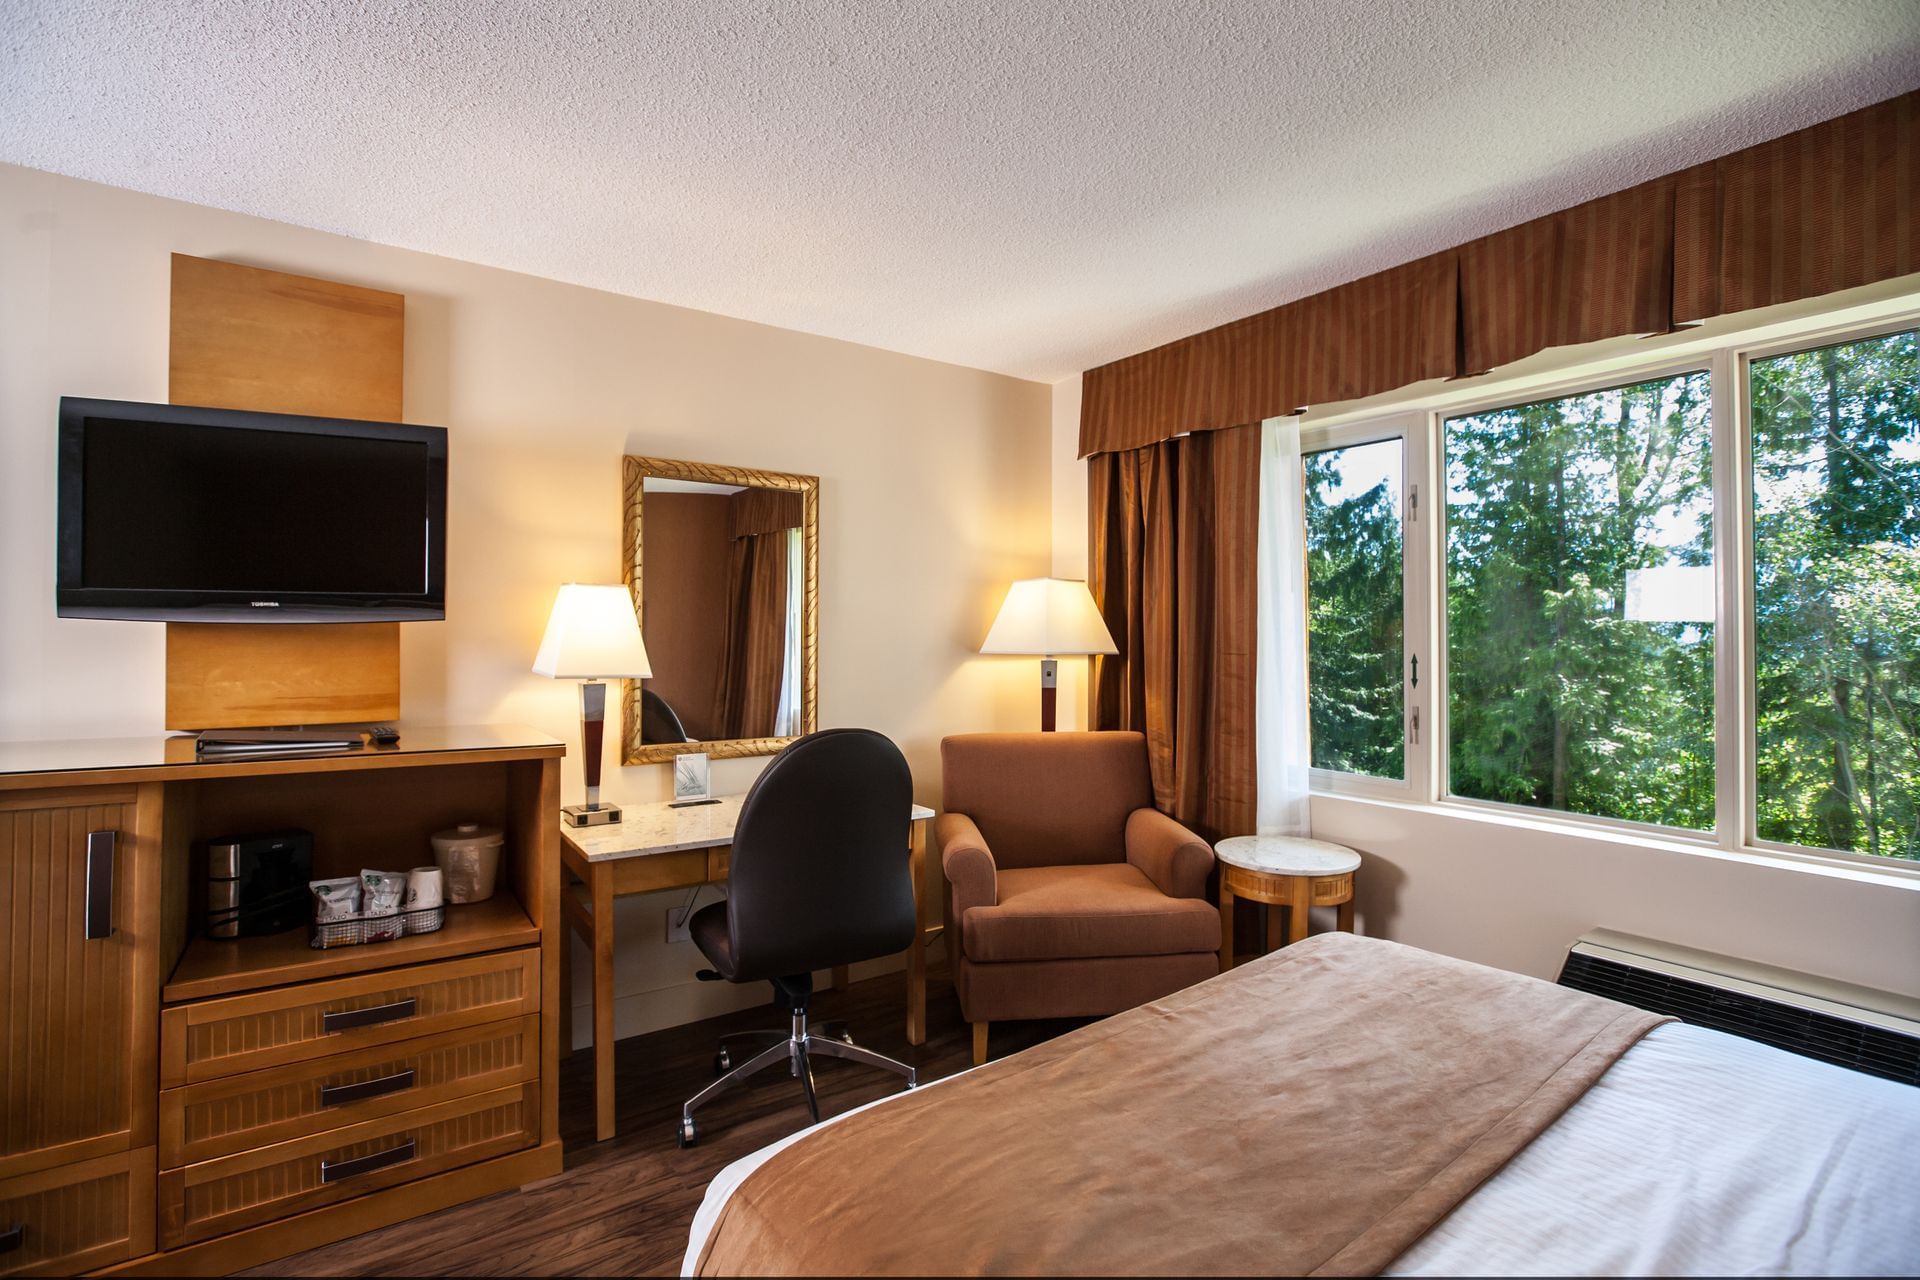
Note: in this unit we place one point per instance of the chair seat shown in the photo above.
(708, 929)
(1084, 912)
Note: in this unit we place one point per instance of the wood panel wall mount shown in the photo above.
(248, 338)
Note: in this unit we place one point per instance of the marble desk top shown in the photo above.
(1287, 855)
(647, 829)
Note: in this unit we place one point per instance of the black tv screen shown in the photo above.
(169, 512)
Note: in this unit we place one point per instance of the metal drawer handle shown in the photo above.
(338, 1095)
(98, 913)
(13, 1237)
(351, 1018)
(341, 1170)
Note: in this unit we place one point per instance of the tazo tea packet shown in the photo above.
(383, 891)
(335, 899)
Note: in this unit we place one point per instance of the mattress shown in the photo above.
(1697, 1153)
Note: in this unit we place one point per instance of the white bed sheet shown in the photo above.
(1698, 1153)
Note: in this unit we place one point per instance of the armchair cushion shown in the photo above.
(1062, 913)
(1176, 860)
(967, 863)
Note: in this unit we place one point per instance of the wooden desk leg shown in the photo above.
(917, 952)
(1297, 921)
(602, 889)
(1226, 924)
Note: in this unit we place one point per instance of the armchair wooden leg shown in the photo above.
(979, 1044)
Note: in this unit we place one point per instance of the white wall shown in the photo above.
(1517, 893)
(934, 490)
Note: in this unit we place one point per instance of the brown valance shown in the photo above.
(1827, 208)
(756, 511)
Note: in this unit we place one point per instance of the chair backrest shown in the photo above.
(659, 722)
(820, 875)
(1048, 799)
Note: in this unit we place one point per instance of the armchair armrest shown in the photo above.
(1176, 860)
(968, 865)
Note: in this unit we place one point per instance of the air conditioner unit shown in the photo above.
(1872, 1031)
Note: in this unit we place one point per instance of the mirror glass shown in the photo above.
(725, 596)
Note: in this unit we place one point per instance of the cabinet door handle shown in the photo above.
(99, 901)
(13, 1237)
(338, 1095)
(348, 1019)
(341, 1170)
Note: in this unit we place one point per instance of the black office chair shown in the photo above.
(819, 877)
(659, 722)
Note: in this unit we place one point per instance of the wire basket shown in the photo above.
(359, 930)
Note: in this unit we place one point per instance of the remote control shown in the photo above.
(383, 735)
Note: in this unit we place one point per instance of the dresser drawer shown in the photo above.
(236, 1113)
(209, 1039)
(62, 1221)
(217, 1196)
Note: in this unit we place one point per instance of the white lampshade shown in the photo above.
(593, 634)
(1670, 593)
(1048, 617)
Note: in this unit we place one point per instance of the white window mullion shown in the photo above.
(1422, 629)
(1733, 623)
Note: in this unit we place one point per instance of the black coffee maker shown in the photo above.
(258, 884)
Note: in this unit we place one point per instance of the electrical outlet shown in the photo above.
(677, 918)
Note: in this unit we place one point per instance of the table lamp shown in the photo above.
(592, 636)
(1049, 617)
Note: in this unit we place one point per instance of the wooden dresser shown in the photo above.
(176, 1104)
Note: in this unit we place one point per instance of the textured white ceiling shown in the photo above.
(1030, 187)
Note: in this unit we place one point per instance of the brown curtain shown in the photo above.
(1594, 271)
(749, 698)
(1824, 209)
(765, 511)
(1827, 208)
(1172, 532)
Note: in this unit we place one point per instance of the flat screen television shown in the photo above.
(181, 514)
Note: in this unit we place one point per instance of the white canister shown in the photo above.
(469, 859)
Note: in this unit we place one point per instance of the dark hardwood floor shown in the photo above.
(623, 1207)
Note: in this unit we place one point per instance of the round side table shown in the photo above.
(1284, 871)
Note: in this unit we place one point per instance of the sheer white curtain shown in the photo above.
(1280, 683)
(787, 717)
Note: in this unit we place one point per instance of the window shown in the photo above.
(1580, 604)
(1836, 596)
(1594, 659)
(1355, 608)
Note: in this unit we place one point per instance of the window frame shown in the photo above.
(1722, 349)
(1442, 765)
(1741, 360)
(1409, 428)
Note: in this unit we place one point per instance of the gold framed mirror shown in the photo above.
(724, 567)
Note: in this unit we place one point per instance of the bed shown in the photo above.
(1378, 1109)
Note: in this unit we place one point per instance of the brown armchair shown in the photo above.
(1069, 894)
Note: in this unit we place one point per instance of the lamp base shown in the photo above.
(590, 815)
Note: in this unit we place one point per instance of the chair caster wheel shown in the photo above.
(689, 1133)
(836, 1031)
(722, 1063)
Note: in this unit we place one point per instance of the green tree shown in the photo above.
(1557, 698)
(1836, 478)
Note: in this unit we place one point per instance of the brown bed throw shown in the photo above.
(1312, 1113)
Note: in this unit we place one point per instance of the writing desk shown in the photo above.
(657, 848)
